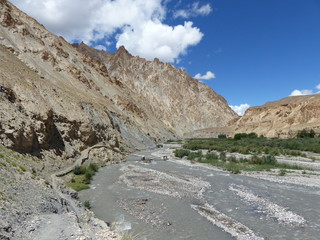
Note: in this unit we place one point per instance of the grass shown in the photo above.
(82, 176)
(78, 183)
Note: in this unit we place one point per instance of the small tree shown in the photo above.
(222, 136)
(306, 134)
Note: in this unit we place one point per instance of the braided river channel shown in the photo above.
(175, 199)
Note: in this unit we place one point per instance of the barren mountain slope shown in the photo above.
(282, 118)
(175, 98)
(64, 99)
(61, 95)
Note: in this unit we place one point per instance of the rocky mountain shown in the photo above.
(282, 118)
(174, 97)
(55, 96)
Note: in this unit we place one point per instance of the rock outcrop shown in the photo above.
(54, 96)
(282, 118)
(181, 102)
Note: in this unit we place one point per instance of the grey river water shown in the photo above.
(158, 201)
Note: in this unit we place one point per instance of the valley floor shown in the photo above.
(177, 199)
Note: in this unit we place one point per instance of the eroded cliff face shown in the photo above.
(282, 118)
(177, 99)
(55, 97)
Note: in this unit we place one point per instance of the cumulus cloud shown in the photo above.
(301, 92)
(297, 92)
(156, 39)
(209, 75)
(194, 10)
(240, 110)
(139, 24)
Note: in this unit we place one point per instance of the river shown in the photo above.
(168, 200)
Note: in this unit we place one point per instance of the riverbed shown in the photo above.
(176, 200)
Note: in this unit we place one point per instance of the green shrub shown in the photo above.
(212, 156)
(159, 146)
(88, 175)
(180, 153)
(271, 160)
(94, 167)
(232, 159)
(222, 136)
(282, 172)
(79, 170)
(306, 134)
(223, 156)
(194, 155)
(87, 204)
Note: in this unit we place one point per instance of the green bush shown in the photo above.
(87, 204)
(88, 175)
(212, 156)
(282, 172)
(180, 153)
(222, 136)
(271, 160)
(223, 156)
(194, 155)
(306, 134)
(93, 167)
(79, 170)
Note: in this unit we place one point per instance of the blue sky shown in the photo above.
(254, 51)
(259, 50)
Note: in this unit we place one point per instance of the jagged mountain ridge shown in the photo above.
(175, 98)
(53, 93)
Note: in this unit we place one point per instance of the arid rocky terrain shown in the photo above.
(78, 97)
(281, 119)
(58, 100)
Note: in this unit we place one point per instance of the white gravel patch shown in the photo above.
(267, 207)
(301, 180)
(173, 184)
(226, 223)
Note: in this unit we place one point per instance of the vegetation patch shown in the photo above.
(263, 152)
(82, 176)
(87, 204)
(252, 144)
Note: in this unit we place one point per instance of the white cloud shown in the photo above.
(100, 47)
(154, 39)
(138, 22)
(301, 92)
(318, 87)
(209, 75)
(193, 10)
(240, 110)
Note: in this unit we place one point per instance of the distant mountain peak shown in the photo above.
(122, 51)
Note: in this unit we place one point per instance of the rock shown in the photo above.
(283, 118)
